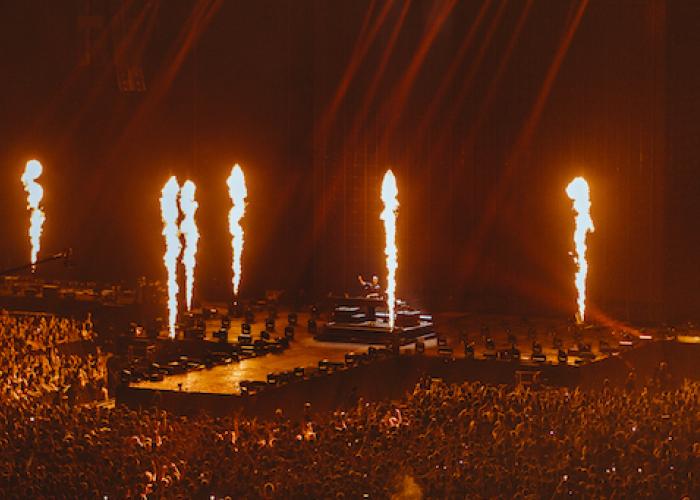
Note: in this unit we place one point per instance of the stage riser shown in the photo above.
(372, 335)
(391, 378)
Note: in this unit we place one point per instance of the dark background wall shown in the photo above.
(683, 159)
(485, 111)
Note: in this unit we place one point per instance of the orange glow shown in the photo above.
(238, 193)
(170, 213)
(188, 227)
(35, 193)
(579, 193)
(390, 192)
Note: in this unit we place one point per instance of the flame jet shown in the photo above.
(390, 192)
(35, 193)
(579, 193)
(170, 213)
(188, 227)
(238, 192)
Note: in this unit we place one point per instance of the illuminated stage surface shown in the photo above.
(305, 351)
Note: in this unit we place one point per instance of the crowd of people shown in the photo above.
(44, 330)
(34, 364)
(466, 440)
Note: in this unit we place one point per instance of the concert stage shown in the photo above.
(304, 352)
(365, 321)
(218, 389)
(390, 377)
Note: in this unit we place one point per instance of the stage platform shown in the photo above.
(305, 351)
(374, 332)
(365, 320)
(390, 377)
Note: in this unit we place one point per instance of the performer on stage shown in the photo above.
(372, 289)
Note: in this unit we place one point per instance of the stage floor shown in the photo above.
(305, 351)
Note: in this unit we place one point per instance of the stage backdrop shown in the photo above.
(485, 111)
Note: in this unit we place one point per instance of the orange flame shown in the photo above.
(579, 193)
(34, 195)
(188, 227)
(390, 192)
(238, 192)
(170, 213)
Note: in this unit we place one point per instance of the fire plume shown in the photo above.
(170, 213)
(579, 193)
(238, 192)
(188, 228)
(35, 193)
(390, 192)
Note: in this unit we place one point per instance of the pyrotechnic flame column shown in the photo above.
(35, 193)
(188, 228)
(390, 192)
(238, 192)
(579, 193)
(170, 214)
